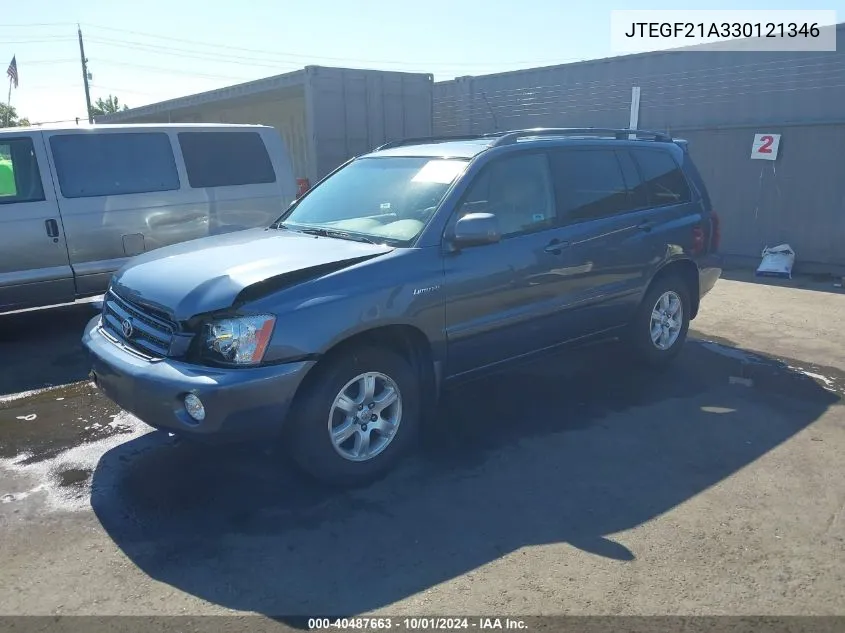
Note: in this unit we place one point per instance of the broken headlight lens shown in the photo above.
(241, 340)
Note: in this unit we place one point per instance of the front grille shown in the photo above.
(149, 332)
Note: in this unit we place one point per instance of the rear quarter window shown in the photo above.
(637, 188)
(694, 176)
(225, 159)
(665, 182)
(114, 164)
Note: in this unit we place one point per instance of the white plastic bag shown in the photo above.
(777, 262)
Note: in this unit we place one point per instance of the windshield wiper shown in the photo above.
(343, 235)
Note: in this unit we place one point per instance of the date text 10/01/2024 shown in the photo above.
(722, 30)
(415, 624)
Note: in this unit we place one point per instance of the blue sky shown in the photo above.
(158, 49)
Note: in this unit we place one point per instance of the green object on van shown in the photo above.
(7, 179)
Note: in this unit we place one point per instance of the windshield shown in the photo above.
(383, 199)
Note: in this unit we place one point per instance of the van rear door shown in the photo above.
(34, 266)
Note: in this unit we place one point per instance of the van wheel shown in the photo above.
(660, 327)
(357, 417)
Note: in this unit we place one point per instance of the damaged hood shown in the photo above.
(208, 274)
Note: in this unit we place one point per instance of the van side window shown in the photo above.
(224, 159)
(114, 164)
(20, 180)
(664, 179)
(589, 184)
(517, 190)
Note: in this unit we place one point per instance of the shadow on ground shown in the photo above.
(46, 346)
(802, 281)
(543, 454)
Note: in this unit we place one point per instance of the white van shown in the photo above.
(76, 203)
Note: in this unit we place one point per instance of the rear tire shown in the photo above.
(358, 416)
(659, 329)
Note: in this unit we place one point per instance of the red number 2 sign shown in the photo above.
(765, 146)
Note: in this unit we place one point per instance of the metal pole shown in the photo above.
(85, 76)
(9, 105)
(635, 110)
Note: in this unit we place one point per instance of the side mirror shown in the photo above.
(476, 229)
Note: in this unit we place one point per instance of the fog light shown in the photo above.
(194, 407)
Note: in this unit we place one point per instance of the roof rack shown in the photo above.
(428, 139)
(508, 138)
(512, 136)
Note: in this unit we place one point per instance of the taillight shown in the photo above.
(715, 231)
(302, 187)
(697, 240)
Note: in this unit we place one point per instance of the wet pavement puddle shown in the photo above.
(47, 422)
(52, 439)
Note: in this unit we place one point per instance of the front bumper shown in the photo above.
(240, 404)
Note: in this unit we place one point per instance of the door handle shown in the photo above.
(555, 246)
(52, 229)
(646, 225)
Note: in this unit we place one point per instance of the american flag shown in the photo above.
(12, 71)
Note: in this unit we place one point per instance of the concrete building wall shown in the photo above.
(679, 88)
(718, 101)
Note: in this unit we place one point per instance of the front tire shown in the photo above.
(659, 330)
(358, 416)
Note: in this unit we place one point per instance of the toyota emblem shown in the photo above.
(127, 328)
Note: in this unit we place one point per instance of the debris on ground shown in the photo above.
(777, 262)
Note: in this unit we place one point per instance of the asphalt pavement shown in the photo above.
(582, 484)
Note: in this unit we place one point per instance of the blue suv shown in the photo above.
(422, 263)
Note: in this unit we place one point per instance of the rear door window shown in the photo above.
(664, 179)
(225, 159)
(114, 164)
(20, 180)
(589, 184)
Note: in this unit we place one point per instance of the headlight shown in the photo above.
(241, 340)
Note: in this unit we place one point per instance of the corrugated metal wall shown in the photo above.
(718, 100)
(353, 111)
(325, 115)
(283, 109)
(798, 199)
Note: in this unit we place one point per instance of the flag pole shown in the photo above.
(9, 104)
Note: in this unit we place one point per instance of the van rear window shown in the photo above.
(113, 164)
(224, 159)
